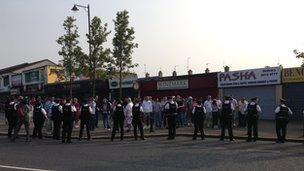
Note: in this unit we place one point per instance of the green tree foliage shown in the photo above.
(299, 55)
(89, 64)
(123, 46)
(70, 50)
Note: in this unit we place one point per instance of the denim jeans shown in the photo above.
(106, 121)
(158, 119)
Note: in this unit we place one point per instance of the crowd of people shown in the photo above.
(59, 116)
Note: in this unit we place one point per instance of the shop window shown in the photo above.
(6, 81)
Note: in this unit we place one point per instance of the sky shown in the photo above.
(172, 34)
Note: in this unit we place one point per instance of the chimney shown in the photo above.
(147, 75)
(160, 74)
(226, 68)
(190, 72)
(207, 70)
(174, 74)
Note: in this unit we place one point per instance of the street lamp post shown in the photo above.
(75, 8)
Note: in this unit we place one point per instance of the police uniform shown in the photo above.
(253, 111)
(68, 120)
(137, 120)
(39, 116)
(85, 120)
(199, 116)
(11, 116)
(171, 111)
(118, 119)
(282, 117)
(226, 120)
(57, 120)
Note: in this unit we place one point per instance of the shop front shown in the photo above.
(263, 83)
(197, 86)
(293, 89)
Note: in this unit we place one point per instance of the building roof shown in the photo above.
(23, 66)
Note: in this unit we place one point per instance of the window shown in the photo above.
(6, 81)
(30, 77)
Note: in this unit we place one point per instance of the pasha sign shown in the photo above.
(172, 85)
(292, 75)
(254, 77)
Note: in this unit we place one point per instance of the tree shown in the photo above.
(70, 49)
(99, 55)
(299, 55)
(123, 46)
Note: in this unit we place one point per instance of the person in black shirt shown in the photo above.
(85, 115)
(68, 120)
(199, 115)
(226, 119)
(253, 110)
(137, 112)
(282, 117)
(57, 119)
(118, 120)
(171, 112)
(39, 117)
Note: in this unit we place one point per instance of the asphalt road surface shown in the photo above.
(152, 154)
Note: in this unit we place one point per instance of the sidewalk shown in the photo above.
(266, 131)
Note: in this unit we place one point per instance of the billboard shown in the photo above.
(173, 85)
(126, 82)
(293, 75)
(55, 74)
(252, 77)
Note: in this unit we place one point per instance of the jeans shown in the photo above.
(158, 119)
(106, 120)
(93, 122)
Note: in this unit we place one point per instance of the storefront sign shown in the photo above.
(172, 85)
(55, 74)
(254, 77)
(292, 75)
(126, 82)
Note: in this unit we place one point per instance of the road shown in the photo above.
(152, 154)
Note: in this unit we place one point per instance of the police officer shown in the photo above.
(68, 120)
(253, 110)
(118, 120)
(137, 112)
(199, 116)
(11, 115)
(226, 118)
(85, 116)
(282, 118)
(57, 119)
(171, 112)
(39, 117)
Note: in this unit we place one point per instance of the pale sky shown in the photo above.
(240, 34)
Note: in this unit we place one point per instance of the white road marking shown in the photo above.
(22, 168)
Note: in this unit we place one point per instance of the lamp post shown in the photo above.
(75, 8)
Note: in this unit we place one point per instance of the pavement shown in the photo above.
(266, 131)
(152, 154)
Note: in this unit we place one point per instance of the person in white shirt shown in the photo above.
(282, 117)
(234, 102)
(128, 114)
(57, 119)
(85, 116)
(215, 113)
(39, 117)
(208, 106)
(148, 109)
(242, 115)
(93, 122)
(253, 110)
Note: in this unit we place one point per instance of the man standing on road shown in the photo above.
(199, 115)
(242, 114)
(23, 118)
(57, 119)
(39, 117)
(148, 109)
(171, 111)
(282, 117)
(68, 120)
(208, 107)
(48, 108)
(92, 103)
(118, 120)
(11, 116)
(226, 118)
(253, 110)
(85, 114)
(106, 110)
(137, 111)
